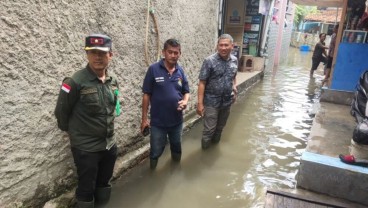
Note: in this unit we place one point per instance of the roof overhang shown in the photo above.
(320, 3)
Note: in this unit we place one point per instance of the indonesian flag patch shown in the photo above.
(66, 88)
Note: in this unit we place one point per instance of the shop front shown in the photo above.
(244, 20)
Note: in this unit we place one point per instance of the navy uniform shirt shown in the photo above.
(165, 91)
(219, 75)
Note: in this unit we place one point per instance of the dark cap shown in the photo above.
(98, 42)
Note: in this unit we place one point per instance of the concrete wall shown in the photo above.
(42, 42)
(279, 34)
(287, 31)
(271, 45)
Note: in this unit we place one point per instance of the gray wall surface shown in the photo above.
(286, 34)
(271, 46)
(42, 42)
(272, 39)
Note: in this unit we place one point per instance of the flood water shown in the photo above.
(260, 149)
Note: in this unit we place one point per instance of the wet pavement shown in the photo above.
(260, 149)
(320, 169)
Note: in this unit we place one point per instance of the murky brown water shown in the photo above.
(260, 149)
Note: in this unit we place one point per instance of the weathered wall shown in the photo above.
(42, 42)
(278, 41)
(271, 45)
(287, 31)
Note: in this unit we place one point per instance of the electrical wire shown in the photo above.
(157, 34)
(147, 25)
(150, 12)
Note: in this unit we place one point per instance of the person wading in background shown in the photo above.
(319, 53)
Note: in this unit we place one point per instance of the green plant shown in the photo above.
(301, 11)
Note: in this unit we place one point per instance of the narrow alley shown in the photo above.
(261, 147)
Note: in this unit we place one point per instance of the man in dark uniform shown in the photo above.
(217, 90)
(86, 108)
(166, 89)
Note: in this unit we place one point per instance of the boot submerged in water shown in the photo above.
(102, 195)
(84, 204)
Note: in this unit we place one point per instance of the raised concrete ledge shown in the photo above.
(328, 175)
(245, 80)
(331, 131)
(332, 161)
(320, 169)
(336, 96)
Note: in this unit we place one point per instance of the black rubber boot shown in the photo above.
(205, 144)
(153, 163)
(102, 195)
(83, 204)
(176, 156)
(216, 138)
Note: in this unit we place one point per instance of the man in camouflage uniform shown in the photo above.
(217, 90)
(86, 108)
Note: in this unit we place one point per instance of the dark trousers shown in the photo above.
(214, 122)
(316, 61)
(94, 170)
(159, 136)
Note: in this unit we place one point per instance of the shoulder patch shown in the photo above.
(65, 87)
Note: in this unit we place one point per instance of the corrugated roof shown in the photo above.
(328, 16)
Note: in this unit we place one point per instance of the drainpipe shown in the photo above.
(264, 37)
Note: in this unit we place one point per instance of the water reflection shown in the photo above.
(261, 147)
